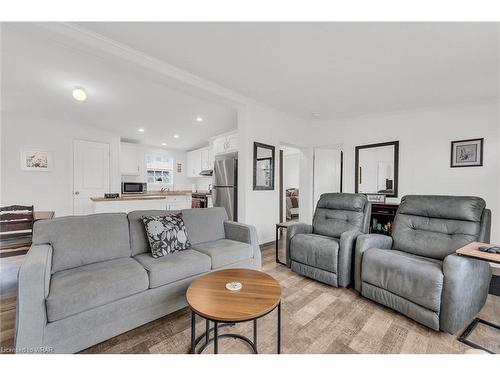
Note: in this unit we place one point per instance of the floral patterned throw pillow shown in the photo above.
(166, 234)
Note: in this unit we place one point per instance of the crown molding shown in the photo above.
(111, 47)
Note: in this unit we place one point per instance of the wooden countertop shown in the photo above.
(472, 250)
(150, 195)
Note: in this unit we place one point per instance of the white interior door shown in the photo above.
(327, 172)
(90, 174)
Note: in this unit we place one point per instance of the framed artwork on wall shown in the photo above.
(467, 153)
(36, 160)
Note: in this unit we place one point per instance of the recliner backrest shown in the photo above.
(435, 226)
(337, 213)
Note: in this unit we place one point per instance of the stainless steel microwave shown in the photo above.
(134, 187)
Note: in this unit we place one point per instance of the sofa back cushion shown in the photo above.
(204, 224)
(139, 241)
(80, 240)
(435, 226)
(337, 213)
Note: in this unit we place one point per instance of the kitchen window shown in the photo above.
(159, 170)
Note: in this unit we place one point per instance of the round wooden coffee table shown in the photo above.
(208, 297)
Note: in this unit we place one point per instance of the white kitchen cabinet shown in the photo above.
(225, 144)
(130, 159)
(178, 202)
(206, 162)
(193, 163)
(199, 160)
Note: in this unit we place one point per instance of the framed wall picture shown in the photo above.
(36, 160)
(467, 153)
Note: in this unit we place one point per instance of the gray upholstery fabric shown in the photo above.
(86, 287)
(224, 252)
(96, 301)
(205, 224)
(174, 267)
(363, 243)
(33, 288)
(90, 327)
(316, 251)
(329, 243)
(314, 273)
(435, 226)
(292, 230)
(484, 233)
(421, 276)
(139, 242)
(345, 265)
(337, 213)
(411, 277)
(412, 310)
(466, 285)
(80, 240)
(244, 233)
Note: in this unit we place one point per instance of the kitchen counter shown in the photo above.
(145, 196)
(153, 200)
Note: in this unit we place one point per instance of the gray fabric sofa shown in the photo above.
(86, 279)
(324, 250)
(417, 272)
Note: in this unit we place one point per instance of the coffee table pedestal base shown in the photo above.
(214, 332)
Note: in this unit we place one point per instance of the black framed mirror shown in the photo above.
(263, 166)
(377, 169)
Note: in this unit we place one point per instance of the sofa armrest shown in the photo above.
(465, 289)
(345, 263)
(243, 233)
(363, 243)
(33, 289)
(292, 230)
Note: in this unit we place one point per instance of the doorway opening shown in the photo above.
(289, 183)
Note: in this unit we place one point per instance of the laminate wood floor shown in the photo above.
(316, 318)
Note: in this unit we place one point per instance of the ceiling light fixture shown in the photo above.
(199, 119)
(79, 94)
(176, 136)
(140, 130)
(163, 144)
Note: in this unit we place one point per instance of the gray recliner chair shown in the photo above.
(324, 250)
(416, 271)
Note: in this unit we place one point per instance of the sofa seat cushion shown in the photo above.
(224, 252)
(174, 267)
(412, 277)
(315, 250)
(86, 287)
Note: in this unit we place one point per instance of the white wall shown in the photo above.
(291, 165)
(261, 124)
(52, 190)
(424, 150)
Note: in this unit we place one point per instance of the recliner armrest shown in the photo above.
(363, 243)
(346, 248)
(33, 289)
(465, 289)
(292, 230)
(243, 233)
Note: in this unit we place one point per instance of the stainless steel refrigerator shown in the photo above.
(225, 184)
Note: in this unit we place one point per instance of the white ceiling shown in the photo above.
(336, 69)
(40, 70)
